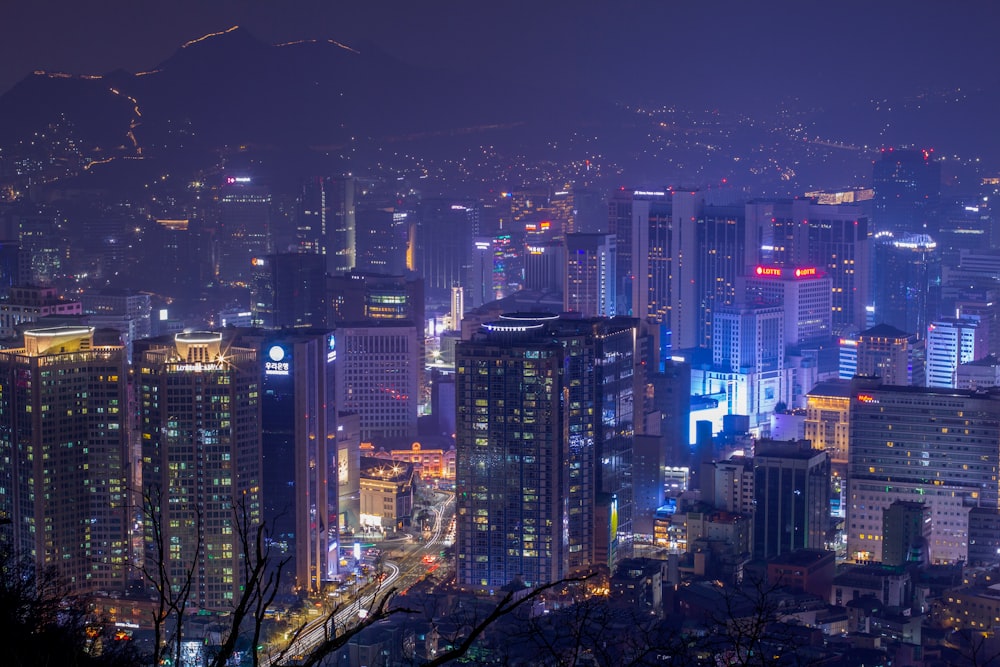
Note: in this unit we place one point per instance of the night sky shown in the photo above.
(710, 53)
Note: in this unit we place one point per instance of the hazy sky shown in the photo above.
(696, 52)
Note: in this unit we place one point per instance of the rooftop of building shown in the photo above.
(803, 557)
(390, 471)
(832, 388)
(988, 360)
(884, 331)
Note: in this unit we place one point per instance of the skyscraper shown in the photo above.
(950, 342)
(791, 495)
(378, 371)
(803, 292)
(884, 352)
(904, 270)
(907, 186)
(511, 463)
(298, 446)
(201, 437)
(244, 228)
(326, 222)
(298, 286)
(591, 268)
(64, 443)
(833, 238)
(544, 448)
(936, 446)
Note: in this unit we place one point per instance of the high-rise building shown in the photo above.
(749, 338)
(544, 446)
(201, 449)
(326, 223)
(298, 286)
(378, 370)
(244, 228)
(298, 444)
(591, 268)
(510, 460)
(64, 443)
(828, 411)
(803, 292)
(833, 238)
(951, 342)
(457, 307)
(884, 352)
(929, 445)
(907, 186)
(904, 270)
(445, 229)
(791, 498)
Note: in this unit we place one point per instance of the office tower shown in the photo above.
(511, 459)
(201, 449)
(791, 497)
(298, 286)
(545, 266)
(24, 305)
(544, 447)
(298, 443)
(382, 235)
(828, 425)
(445, 229)
(930, 445)
(244, 228)
(721, 252)
(905, 529)
(884, 352)
(835, 239)
(326, 223)
(664, 271)
(749, 338)
(359, 295)
(907, 186)
(905, 269)
(41, 239)
(803, 292)
(457, 307)
(748, 362)
(632, 245)
(378, 371)
(966, 223)
(507, 266)
(591, 267)
(346, 464)
(64, 442)
(671, 397)
(479, 281)
(950, 342)
(182, 249)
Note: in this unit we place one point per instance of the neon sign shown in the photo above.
(867, 398)
(768, 271)
(802, 273)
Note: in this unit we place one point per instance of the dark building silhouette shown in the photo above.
(791, 495)
(907, 186)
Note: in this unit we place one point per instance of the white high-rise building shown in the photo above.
(378, 367)
(805, 294)
(950, 342)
